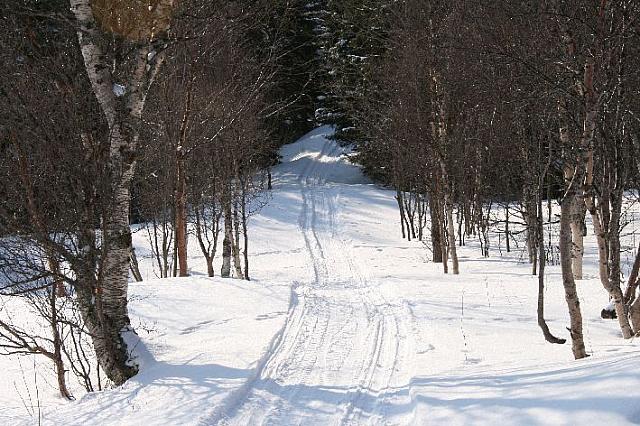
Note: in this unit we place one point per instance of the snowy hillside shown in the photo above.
(347, 323)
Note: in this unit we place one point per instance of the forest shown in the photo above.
(149, 143)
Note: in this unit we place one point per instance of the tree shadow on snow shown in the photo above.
(523, 395)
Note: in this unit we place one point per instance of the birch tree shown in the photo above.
(52, 170)
(590, 54)
(129, 35)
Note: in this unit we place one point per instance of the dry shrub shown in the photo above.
(136, 20)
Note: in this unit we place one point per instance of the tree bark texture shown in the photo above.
(181, 214)
(632, 283)
(568, 279)
(105, 311)
(227, 242)
(235, 247)
(539, 233)
(451, 234)
(436, 244)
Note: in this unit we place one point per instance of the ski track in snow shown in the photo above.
(343, 342)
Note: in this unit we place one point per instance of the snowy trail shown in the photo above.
(346, 323)
(343, 342)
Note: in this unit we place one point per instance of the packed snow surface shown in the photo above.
(347, 323)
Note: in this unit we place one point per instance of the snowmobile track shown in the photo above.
(342, 342)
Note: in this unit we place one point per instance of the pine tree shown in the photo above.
(286, 40)
(352, 38)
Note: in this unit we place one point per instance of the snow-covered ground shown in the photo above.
(346, 323)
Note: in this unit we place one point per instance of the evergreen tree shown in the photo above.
(354, 37)
(286, 39)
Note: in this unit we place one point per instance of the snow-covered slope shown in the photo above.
(346, 323)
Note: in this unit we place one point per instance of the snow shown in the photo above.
(203, 337)
(346, 323)
(119, 89)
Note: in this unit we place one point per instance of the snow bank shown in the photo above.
(203, 336)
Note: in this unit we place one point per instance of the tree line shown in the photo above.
(470, 104)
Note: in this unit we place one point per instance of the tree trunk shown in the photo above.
(401, 208)
(532, 230)
(167, 239)
(615, 292)
(436, 243)
(539, 242)
(245, 232)
(577, 236)
(133, 265)
(420, 211)
(155, 246)
(57, 348)
(542, 323)
(174, 254)
(235, 247)
(468, 218)
(228, 235)
(451, 234)
(506, 227)
(632, 283)
(113, 319)
(634, 314)
(531, 224)
(535, 232)
(598, 226)
(484, 233)
(444, 246)
(105, 311)
(181, 214)
(575, 209)
(568, 278)
(411, 215)
(200, 231)
(181, 184)
(613, 237)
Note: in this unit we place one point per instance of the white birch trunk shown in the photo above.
(451, 234)
(614, 290)
(568, 279)
(577, 236)
(108, 320)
